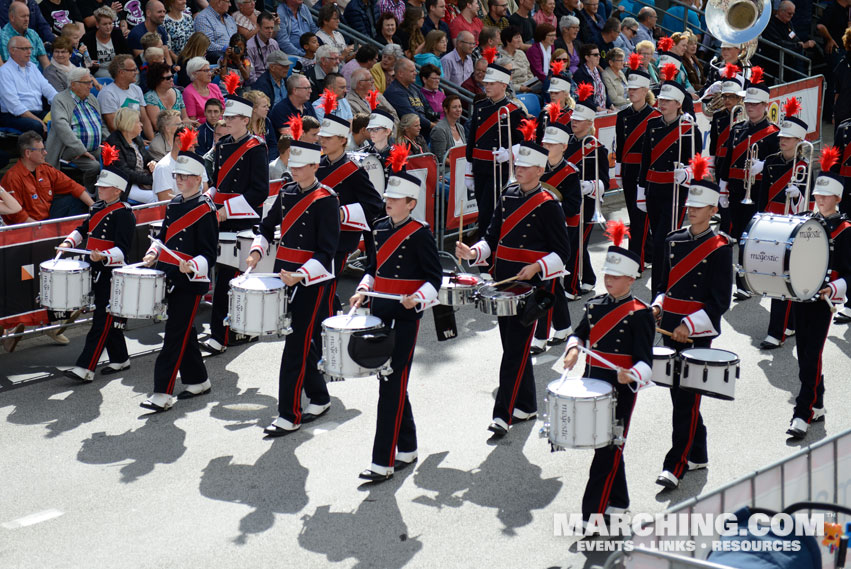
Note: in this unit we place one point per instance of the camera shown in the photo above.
(236, 50)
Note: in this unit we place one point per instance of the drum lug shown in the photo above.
(320, 365)
(226, 321)
(739, 270)
(617, 432)
(705, 374)
(737, 372)
(727, 375)
(285, 326)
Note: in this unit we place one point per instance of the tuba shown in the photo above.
(739, 22)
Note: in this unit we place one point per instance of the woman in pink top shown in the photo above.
(545, 14)
(201, 89)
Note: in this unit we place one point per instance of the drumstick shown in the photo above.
(461, 229)
(70, 250)
(514, 278)
(387, 296)
(134, 265)
(609, 364)
(670, 335)
(162, 245)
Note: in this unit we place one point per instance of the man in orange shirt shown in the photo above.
(36, 185)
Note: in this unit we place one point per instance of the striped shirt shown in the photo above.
(86, 123)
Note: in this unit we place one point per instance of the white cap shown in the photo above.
(702, 194)
(497, 74)
(111, 179)
(757, 94)
(304, 153)
(733, 86)
(402, 185)
(793, 127)
(238, 107)
(637, 80)
(380, 119)
(582, 112)
(621, 262)
(334, 126)
(189, 163)
(558, 85)
(671, 92)
(530, 154)
(556, 134)
(666, 58)
(725, 44)
(828, 185)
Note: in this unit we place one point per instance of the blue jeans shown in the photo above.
(23, 124)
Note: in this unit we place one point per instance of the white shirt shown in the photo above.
(112, 97)
(163, 179)
(21, 88)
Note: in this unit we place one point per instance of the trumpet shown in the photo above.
(753, 156)
(802, 171)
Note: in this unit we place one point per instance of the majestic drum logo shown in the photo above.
(809, 233)
(762, 257)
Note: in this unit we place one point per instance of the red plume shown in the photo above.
(699, 166)
(188, 138)
(792, 107)
(296, 127)
(372, 99)
(231, 81)
(489, 54)
(669, 71)
(731, 70)
(664, 44)
(554, 110)
(584, 90)
(616, 231)
(329, 101)
(399, 156)
(756, 74)
(634, 61)
(829, 158)
(557, 67)
(527, 128)
(109, 154)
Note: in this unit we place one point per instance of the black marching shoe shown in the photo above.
(280, 427)
(195, 390)
(372, 476)
(112, 368)
(741, 295)
(667, 480)
(498, 428)
(841, 318)
(213, 347)
(313, 412)
(770, 343)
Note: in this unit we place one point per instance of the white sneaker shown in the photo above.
(80, 374)
(159, 402)
(314, 411)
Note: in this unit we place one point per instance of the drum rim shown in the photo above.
(688, 359)
(666, 355)
(82, 266)
(574, 379)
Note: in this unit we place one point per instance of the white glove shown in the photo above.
(756, 167)
(713, 89)
(617, 168)
(587, 187)
(468, 176)
(681, 175)
(722, 185)
(640, 201)
(724, 201)
(792, 192)
(502, 155)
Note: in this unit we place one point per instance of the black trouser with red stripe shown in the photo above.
(659, 210)
(302, 350)
(813, 322)
(781, 318)
(334, 304)
(740, 215)
(394, 426)
(688, 437)
(516, 380)
(607, 476)
(558, 316)
(588, 277)
(180, 351)
(107, 331)
(218, 330)
(639, 224)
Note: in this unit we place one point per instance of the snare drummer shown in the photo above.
(813, 318)
(527, 239)
(842, 141)
(696, 282)
(108, 234)
(308, 214)
(404, 261)
(190, 231)
(620, 328)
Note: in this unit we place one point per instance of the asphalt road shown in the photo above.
(89, 479)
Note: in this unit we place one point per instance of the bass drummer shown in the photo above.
(696, 283)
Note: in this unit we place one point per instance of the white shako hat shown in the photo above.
(637, 79)
(556, 133)
(380, 119)
(621, 262)
(793, 127)
(672, 91)
(558, 85)
(583, 111)
(237, 106)
(702, 193)
(726, 44)
(497, 74)
(828, 184)
(530, 154)
(669, 57)
(189, 163)
(112, 178)
(402, 185)
(733, 86)
(334, 126)
(304, 153)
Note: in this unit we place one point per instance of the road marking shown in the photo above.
(324, 428)
(33, 519)
(62, 396)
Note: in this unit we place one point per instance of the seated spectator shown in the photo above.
(327, 61)
(410, 32)
(42, 190)
(261, 46)
(259, 124)
(234, 59)
(153, 23)
(77, 129)
(435, 11)
(408, 132)
(246, 18)
(297, 102)
(615, 79)
(123, 92)
(692, 65)
(328, 34)
(337, 85)
(430, 77)
(545, 13)
(675, 17)
(167, 122)
(359, 136)
(646, 50)
(57, 72)
(215, 23)
(272, 82)
(295, 20)
(589, 73)
(457, 65)
(165, 186)
(611, 31)
(361, 16)
(18, 26)
(162, 95)
(22, 87)
(474, 83)
(495, 17)
(57, 13)
(178, 25)
(196, 46)
(364, 58)
(541, 52)
(150, 56)
(406, 97)
(383, 71)
(279, 167)
(780, 31)
(134, 162)
(105, 41)
(387, 26)
(394, 7)
(79, 57)
(627, 38)
(522, 79)
(522, 20)
(592, 22)
(435, 47)
(37, 21)
(488, 37)
(309, 44)
(213, 111)
(8, 204)
(568, 41)
(359, 87)
(646, 26)
(467, 21)
(448, 131)
(201, 89)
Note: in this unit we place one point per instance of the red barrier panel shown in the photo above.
(424, 167)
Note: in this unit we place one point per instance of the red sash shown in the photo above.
(521, 212)
(298, 256)
(668, 141)
(564, 117)
(691, 260)
(630, 157)
(778, 186)
(491, 120)
(340, 174)
(607, 323)
(233, 159)
(582, 153)
(98, 217)
(389, 247)
(186, 221)
(681, 307)
(397, 286)
(839, 229)
(845, 163)
(721, 147)
(621, 360)
(93, 243)
(300, 207)
(742, 147)
(559, 176)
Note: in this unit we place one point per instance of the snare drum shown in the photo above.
(336, 333)
(458, 289)
(784, 256)
(227, 254)
(710, 372)
(137, 292)
(664, 360)
(244, 240)
(580, 413)
(65, 284)
(504, 300)
(374, 168)
(258, 306)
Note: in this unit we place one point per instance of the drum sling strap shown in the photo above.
(691, 260)
(221, 197)
(833, 275)
(514, 254)
(721, 146)
(179, 225)
(630, 157)
(845, 163)
(395, 286)
(668, 141)
(606, 324)
(300, 256)
(775, 189)
(340, 174)
(489, 122)
(93, 243)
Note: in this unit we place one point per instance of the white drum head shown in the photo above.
(373, 167)
(580, 387)
(257, 283)
(809, 258)
(709, 356)
(139, 271)
(64, 265)
(356, 322)
(663, 352)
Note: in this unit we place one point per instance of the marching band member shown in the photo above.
(669, 143)
(108, 234)
(630, 126)
(732, 171)
(527, 239)
(775, 191)
(694, 291)
(591, 158)
(842, 140)
(668, 57)
(408, 245)
(379, 129)
(561, 104)
(732, 94)
(241, 179)
(187, 249)
(716, 73)
(562, 179)
(619, 328)
(490, 137)
(360, 204)
(813, 318)
(308, 214)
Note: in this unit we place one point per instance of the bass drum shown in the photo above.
(784, 256)
(374, 169)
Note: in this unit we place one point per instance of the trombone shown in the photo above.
(675, 205)
(593, 142)
(753, 156)
(802, 171)
(503, 119)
